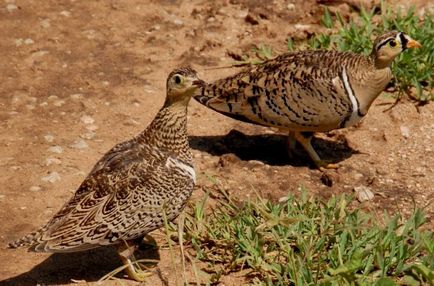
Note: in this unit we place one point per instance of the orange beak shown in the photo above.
(413, 44)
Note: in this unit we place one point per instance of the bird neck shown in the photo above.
(380, 63)
(168, 131)
(370, 83)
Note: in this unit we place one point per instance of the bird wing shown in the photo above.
(121, 202)
(288, 91)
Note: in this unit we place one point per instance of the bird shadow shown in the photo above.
(89, 266)
(270, 149)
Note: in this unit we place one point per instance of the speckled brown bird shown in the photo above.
(131, 188)
(308, 91)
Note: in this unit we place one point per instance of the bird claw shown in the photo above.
(324, 165)
(138, 274)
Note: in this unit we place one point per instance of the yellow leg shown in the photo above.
(305, 141)
(133, 270)
(291, 144)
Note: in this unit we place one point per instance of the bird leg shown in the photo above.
(133, 269)
(304, 138)
(291, 144)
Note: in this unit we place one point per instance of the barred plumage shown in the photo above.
(308, 91)
(132, 187)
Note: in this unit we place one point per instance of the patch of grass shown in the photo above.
(412, 68)
(304, 241)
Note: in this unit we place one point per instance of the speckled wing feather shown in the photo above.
(122, 202)
(300, 91)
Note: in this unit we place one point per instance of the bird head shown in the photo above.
(389, 45)
(181, 85)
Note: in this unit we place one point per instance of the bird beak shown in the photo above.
(413, 44)
(198, 82)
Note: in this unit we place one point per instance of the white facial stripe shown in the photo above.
(354, 103)
(187, 169)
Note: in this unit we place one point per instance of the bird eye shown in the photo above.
(177, 79)
(392, 43)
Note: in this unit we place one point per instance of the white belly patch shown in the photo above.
(183, 167)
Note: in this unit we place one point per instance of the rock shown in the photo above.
(363, 193)
(38, 54)
(76, 96)
(56, 149)
(92, 127)
(35, 188)
(11, 7)
(49, 138)
(45, 23)
(358, 176)
(178, 22)
(59, 103)
(88, 135)
(79, 144)
(290, 6)
(50, 160)
(51, 177)
(405, 131)
(28, 41)
(65, 13)
(86, 119)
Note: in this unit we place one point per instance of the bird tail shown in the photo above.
(27, 241)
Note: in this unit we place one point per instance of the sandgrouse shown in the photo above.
(308, 91)
(132, 188)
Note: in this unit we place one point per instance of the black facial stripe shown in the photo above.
(384, 43)
(404, 41)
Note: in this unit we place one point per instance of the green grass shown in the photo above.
(304, 241)
(413, 68)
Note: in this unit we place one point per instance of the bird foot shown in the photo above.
(324, 165)
(137, 274)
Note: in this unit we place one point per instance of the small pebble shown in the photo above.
(91, 127)
(45, 23)
(35, 188)
(88, 135)
(76, 96)
(51, 177)
(59, 103)
(178, 22)
(11, 7)
(49, 138)
(363, 193)
(49, 161)
(79, 144)
(56, 149)
(65, 13)
(405, 131)
(28, 41)
(86, 119)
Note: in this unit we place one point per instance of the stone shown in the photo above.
(56, 149)
(51, 160)
(405, 131)
(52, 177)
(35, 188)
(79, 144)
(49, 138)
(363, 193)
(86, 119)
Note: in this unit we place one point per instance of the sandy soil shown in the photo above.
(79, 76)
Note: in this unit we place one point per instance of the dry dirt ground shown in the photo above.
(79, 76)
